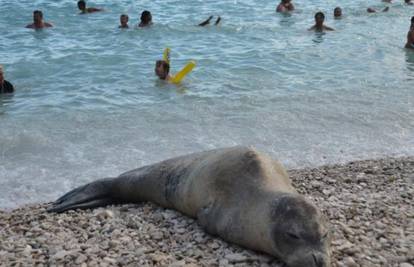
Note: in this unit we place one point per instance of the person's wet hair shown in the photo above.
(337, 11)
(81, 4)
(38, 12)
(319, 14)
(146, 16)
(412, 20)
(164, 65)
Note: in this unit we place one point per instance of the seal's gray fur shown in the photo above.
(237, 193)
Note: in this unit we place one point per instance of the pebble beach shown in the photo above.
(369, 205)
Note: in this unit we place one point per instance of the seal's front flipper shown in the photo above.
(92, 195)
(209, 217)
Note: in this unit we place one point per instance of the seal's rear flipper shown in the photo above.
(86, 205)
(92, 195)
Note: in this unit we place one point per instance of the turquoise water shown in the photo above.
(88, 104)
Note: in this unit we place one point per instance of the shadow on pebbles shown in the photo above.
(369, 205)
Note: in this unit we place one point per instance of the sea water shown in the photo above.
(88, 105)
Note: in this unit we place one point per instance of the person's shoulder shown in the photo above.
(8, 86)
(8, 83)
(280, 8)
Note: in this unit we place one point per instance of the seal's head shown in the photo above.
(300, 235)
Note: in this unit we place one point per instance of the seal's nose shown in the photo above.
(318, 260)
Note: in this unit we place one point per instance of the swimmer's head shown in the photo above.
(82, 5)
(37, 16)
(162, 69)
(146, 17)
(337, 12)
(124, 20)
(286, 1)
(319, 18)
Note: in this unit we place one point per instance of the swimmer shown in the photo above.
(319, 27)
(84, 10)
(207, 21)
(387, 1)
(38, 22)
(124, 21)
(337, 13)
(285, 6)
(162, 70)
(371, 10)
(146, 19)
(410, 36)
(408, 2)
(5, 86)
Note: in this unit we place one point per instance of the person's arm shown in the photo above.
(47, 24)
(206, 22)
(94, 9)
(312, 28)
(29, 26)
(326, 28)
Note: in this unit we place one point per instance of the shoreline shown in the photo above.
(369, 205)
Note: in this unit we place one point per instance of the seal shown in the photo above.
(236, 193)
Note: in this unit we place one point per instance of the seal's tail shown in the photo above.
(92, 195)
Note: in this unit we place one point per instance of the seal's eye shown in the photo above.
(293, 236)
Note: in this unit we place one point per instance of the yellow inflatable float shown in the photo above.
(179, 76)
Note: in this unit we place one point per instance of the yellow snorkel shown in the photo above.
(166, 55)
(179, 76)
(183, 72)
